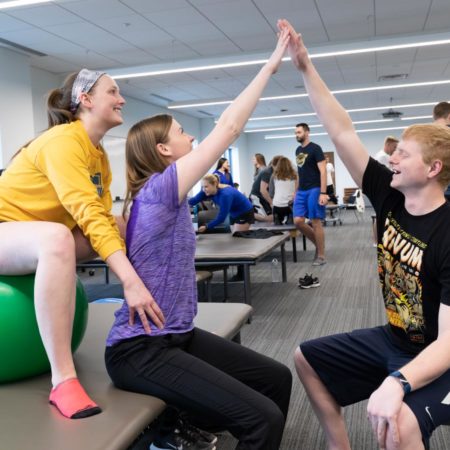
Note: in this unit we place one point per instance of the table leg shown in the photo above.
(294, 248)
(247, 289)
(283, 263)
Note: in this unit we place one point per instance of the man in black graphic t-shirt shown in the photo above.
(311, 196)
(403, 368)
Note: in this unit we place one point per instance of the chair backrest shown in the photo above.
(348, 192)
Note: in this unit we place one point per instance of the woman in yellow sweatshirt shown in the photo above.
(55, 209)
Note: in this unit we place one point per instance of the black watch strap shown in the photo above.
(403, 381)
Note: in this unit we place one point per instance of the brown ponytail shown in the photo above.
(58, 103)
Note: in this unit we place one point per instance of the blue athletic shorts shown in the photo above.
(353, 365)
(306, 204)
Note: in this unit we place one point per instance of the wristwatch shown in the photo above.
(403, 381)
(323, 193)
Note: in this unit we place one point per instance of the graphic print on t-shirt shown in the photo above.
(301, 158)
(399, 263)
(97, 180)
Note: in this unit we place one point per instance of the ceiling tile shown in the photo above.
(43, 15)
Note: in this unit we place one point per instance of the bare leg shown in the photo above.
(266, 218)
(241, 227)
(319, 236)
(305, 229)
(327, 410)
(43, 247)
(83, 249)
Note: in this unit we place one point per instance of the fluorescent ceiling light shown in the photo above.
(357, 122)
(377, 108)
(350, 49)
(18, 3)
(382, 48)
(339, 91)
(366, 130)
(429, 116)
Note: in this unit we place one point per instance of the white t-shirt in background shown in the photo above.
(284, 192)
(383, 158)
(330, 170)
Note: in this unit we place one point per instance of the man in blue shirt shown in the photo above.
(311, 196)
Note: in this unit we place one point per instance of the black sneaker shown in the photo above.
(308, 281)
(186, 429)
(175, 441)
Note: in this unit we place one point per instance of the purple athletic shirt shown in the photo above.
(161, 248)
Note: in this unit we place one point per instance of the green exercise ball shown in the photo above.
(22, 353)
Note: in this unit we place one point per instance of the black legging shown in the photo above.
(219, 383)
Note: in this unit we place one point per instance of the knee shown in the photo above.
(302, 366)
(57, 241)
(409, 431)
(299, 221)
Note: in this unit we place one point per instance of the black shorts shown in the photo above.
(353, 365)
(247, 217)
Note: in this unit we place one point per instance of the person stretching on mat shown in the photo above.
(403, 367)
(218, 383)
(55, 208)
(229, 200)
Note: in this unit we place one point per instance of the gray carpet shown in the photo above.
(348, 298)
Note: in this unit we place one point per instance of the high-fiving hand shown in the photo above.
(296, 48)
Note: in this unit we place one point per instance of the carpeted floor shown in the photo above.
(285, 315)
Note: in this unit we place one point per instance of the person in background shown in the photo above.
(228, 200)
(55, 210)
(260, 191)
(330, 185)
(285, 184)
(259, 162)
(311, 196)
(215, 382)
(403, 368)
(223, 172)
(383, 156)
(441, 116)
(236, 185)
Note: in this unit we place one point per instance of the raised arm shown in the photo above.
(193, 166)
(330, 112)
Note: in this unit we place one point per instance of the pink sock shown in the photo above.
(72, 401)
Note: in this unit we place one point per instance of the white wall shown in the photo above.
(16, 113)
(42, 82)
(269, 148)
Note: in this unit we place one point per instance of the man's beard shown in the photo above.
(300, 140)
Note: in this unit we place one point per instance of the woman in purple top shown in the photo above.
(223, 171)
(218, 384)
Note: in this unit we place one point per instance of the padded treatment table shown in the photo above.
(28, 421)
(220, 249)
(291, 228)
